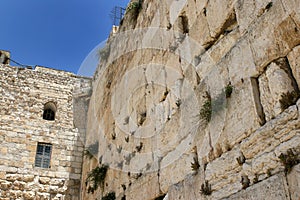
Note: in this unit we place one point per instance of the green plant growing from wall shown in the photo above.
(228, 90)
(289, 99)
(195, 165)
(134, 9)
(134, 6)
(245, 181)
(289, 160)
(96, 178)
(206, 110)
(269, 5)
(139, 147)
(109, 196)
(206, 189)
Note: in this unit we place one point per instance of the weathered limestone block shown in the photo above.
(28, 178)
(144, 188)
(291, 7)
(44, 180)
(13, 177)
(224, 180)
(294, 61)
(242, 112)
(29, 195)
(224, 45)
(219, 15)
(274, 83)
(176, 191)
(5, 185)
(274, 187)
(199, 31)
(262, 140)
(248, 12)
(178, 168)
(192, 185)
(293, 179)
(240, 62)
(267, 47)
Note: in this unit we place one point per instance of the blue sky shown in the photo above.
(54, 33)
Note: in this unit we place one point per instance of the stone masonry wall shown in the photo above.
(161, 100)
(23, 94)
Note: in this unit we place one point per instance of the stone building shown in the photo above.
(41, 132)
(193, 99)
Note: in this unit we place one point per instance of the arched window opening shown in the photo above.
(49, 111)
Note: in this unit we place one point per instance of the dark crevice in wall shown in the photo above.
(184, 24)
(257, 101)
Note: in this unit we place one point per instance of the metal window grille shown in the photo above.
(48, 114)
(43, 155)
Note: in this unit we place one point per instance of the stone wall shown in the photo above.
(161, 100)
(24, 92)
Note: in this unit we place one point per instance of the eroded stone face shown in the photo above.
(275, 83)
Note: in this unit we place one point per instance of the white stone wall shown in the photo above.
(23, 95)
(160, 71)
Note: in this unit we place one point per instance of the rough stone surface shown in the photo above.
(24, 92)
(272, 188)
(170, 74)
(294, 60)
(184, 84)
(293, 179)
(274, 84)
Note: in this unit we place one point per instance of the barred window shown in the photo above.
(43, 155)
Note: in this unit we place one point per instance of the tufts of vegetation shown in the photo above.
(109, 196)
(206, 110)
(195, 165)
(113, 136)
(289, 99)
(134, 9)
(206, 189)
(255, 179)
(142, 119)
(96, 178)
(289, 160)
(269, 5)
(137, 5)
(245, 182)
(228, 90)
(119, 149)
(127, 139)
(241, 159)
(178, 103)
(139, 147)
(269, 172)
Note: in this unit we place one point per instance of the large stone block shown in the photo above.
(273, 84)
(248, 12)
(218, 14)
(294, 61)
(274, 187)
(293, 179)
(242, 112)
(267, 47)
